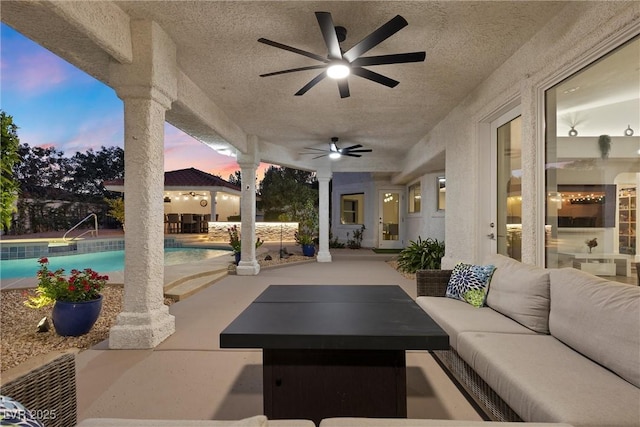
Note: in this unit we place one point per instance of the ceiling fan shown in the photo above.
(338, 64)
(335, 153)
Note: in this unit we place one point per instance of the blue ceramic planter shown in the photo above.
(72, 319)
(308, 250)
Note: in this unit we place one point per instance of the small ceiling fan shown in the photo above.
(338, 64)
(335, 153)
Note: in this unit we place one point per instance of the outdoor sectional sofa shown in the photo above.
(550, 345)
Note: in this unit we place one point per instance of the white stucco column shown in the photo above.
(323, 177)
(248, 163)
(213, 207)
(147, 87)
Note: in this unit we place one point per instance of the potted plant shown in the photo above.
(307, 228)
(421, 255)
(236, 243)
(591, 243)
(604, 143)
(306, 241)
(76, 300)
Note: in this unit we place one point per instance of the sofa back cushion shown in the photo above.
(598, 318)
(520, 291)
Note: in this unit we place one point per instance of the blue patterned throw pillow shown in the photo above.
(469, 283)
(12, 413)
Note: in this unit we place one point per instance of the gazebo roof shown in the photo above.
(190, 177)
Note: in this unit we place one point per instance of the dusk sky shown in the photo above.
(55, 104)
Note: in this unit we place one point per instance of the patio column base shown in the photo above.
(324, 257)
(248, 268)
(142, 330)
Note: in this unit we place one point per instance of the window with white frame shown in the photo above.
(592, 166)
(352, 208)
(415, 196)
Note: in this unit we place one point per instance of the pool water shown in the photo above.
(101, 262)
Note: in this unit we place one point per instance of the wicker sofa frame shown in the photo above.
(434, 283)
(48, 391)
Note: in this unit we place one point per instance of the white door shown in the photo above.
(505, 225)
(389, 223)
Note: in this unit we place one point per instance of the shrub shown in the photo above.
(356, 242)
(421, 255)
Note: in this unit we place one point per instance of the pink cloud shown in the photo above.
(92, 134)
(35, 73)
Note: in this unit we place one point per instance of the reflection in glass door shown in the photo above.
(509, 192)
(389, 227)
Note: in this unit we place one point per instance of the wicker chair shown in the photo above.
(434, 283)
(48, 391)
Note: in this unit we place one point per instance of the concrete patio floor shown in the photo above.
(189, 376)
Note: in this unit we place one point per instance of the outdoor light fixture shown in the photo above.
(335, 153)
(339, 69)
(573, 132)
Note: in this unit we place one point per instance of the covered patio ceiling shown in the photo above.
(219, 53)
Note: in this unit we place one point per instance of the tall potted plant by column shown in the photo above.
(76, 300)
(307, 233)
(236, 242)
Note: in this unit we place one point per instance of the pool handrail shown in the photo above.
(94, 232)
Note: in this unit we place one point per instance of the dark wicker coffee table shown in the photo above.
(334, 350)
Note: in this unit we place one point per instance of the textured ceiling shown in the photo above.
(218, 49)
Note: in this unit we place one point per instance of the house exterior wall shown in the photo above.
(580, 34)
(577, 36)
(429, 222)
(573, 39)
(354, 183)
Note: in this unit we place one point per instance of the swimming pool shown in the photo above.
(101, 262)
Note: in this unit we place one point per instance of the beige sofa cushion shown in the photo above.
(543, 380)
(456, 316)
(257, 421)
(521, 292)
(395, 422)
(598, 318)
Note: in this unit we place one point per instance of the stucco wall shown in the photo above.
(569, 42)
(429, 222)
(353, 183)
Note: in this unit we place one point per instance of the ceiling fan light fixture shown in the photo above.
(335, 155)
(338, 69)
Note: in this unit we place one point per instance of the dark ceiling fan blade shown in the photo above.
(317, 157)
(315, 149)
(317, 79)
(366, 150)
(329, 33)
(397, 58)
(351, 155)
(293, 49)
(378, 36)
(352, 147)
(293, 70)
(375, 77)
(343, 87)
